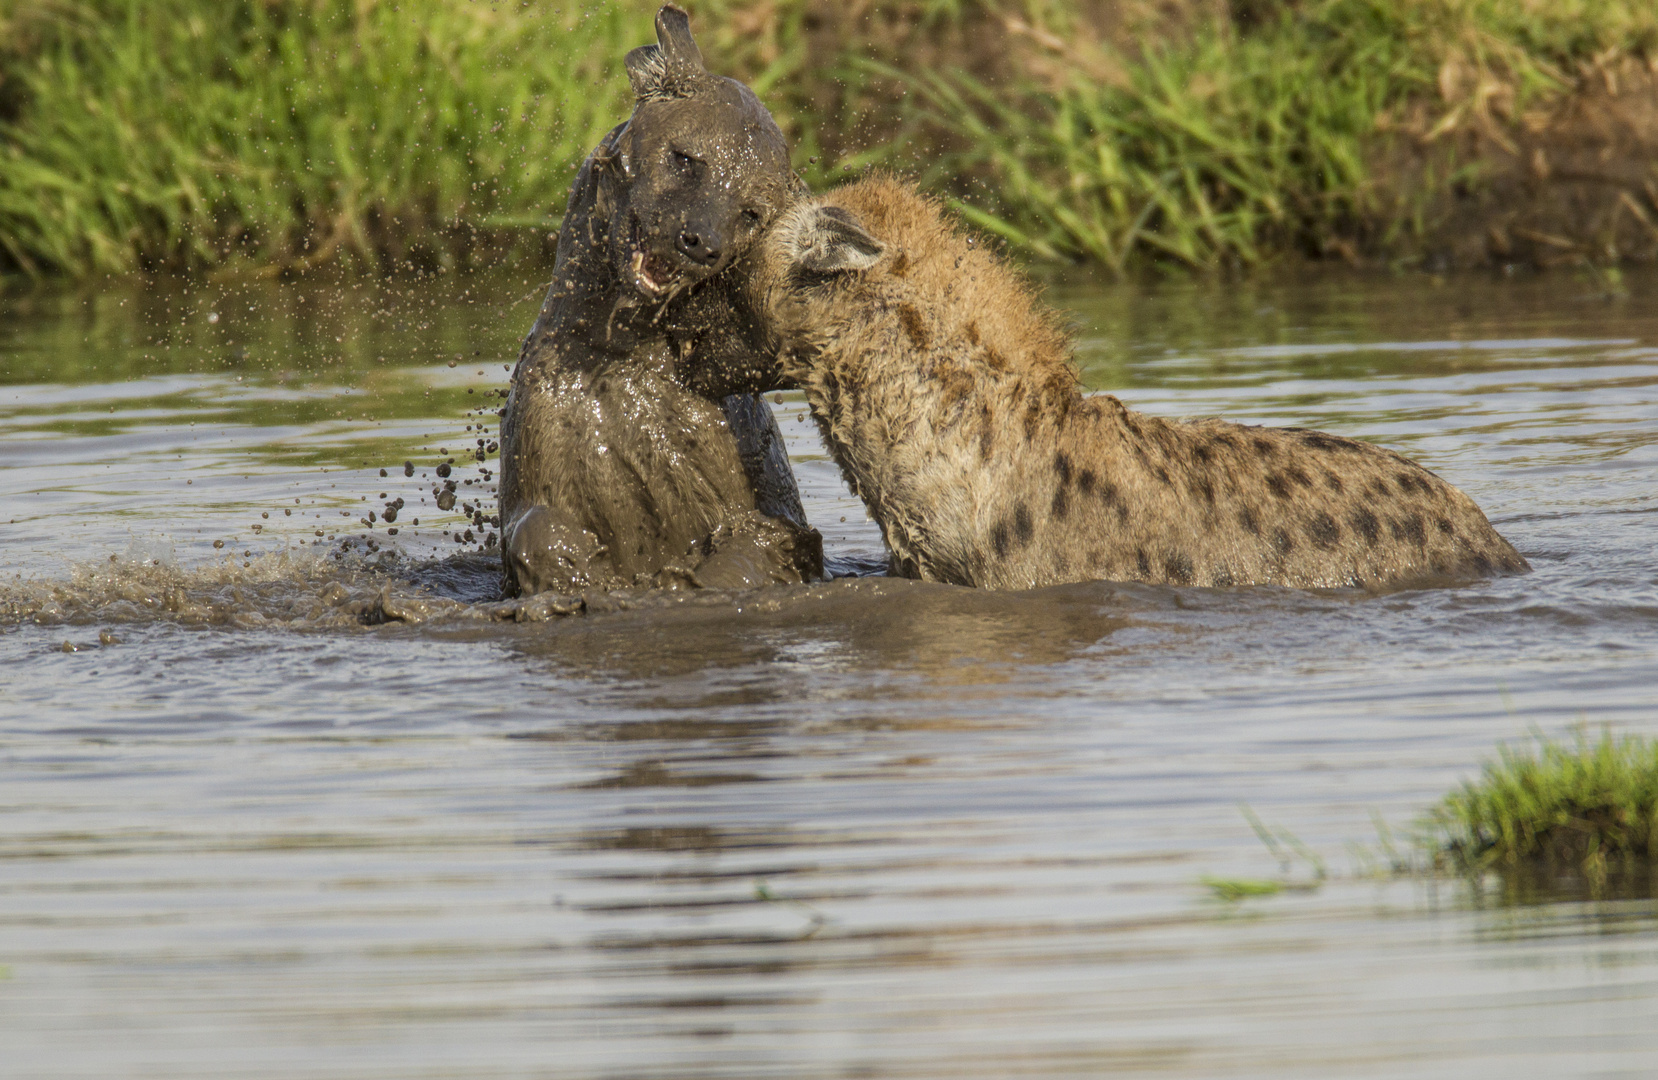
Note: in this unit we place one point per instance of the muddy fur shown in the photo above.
(613, 470)
(947, 394)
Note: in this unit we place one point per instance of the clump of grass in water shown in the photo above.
(1590, 808)
(1568, 816)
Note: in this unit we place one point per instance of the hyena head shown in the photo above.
(688, 183)
(782, 290)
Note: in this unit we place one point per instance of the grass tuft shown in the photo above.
(1588, 808)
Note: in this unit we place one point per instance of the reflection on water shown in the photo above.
(249, 827)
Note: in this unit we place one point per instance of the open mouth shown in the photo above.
(652, 274)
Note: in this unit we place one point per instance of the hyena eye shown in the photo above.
(685, 161)
(751, 216)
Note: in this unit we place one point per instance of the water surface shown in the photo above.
(866, 828)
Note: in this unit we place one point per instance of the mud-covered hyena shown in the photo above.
(613, 470)
(947, 394)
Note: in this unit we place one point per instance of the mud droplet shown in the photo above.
(408, 468)
(107, 638)
(69, 646)
(218, 544)
(446, 500)
(443, 470)
(382, 472)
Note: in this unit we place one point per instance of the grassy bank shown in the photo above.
(282, 133)
(192, 134)
(1347, 128)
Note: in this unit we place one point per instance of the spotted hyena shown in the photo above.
(614, 469)
(947, 394)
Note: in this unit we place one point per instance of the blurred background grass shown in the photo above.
(264, 136)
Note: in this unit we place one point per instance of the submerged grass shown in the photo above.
(1288, 849)
(1587, 807)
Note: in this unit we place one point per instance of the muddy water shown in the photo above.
(867, 828)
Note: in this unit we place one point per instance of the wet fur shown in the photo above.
(947, 394)
(614, 470)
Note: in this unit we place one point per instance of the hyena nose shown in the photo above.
(699, 248)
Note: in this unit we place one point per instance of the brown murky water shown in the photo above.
(868, 828)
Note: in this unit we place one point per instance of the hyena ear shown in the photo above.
(831, 239)
(648, 73)
(673, 33)
(670, 68)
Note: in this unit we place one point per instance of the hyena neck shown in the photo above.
(936, 465)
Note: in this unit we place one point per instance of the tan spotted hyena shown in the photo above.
(947, 394)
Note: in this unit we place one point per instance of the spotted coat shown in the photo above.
(947, 394)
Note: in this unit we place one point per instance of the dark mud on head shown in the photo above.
(697, 169)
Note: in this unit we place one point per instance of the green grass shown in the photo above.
(281, 134)
(1560, 820)
(1228, 147)
(278, 134)
(1233, 890)
(1586, 807)
(1288, 849)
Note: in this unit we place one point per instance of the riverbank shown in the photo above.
(432, 134)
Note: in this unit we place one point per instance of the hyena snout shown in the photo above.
(701, 242)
